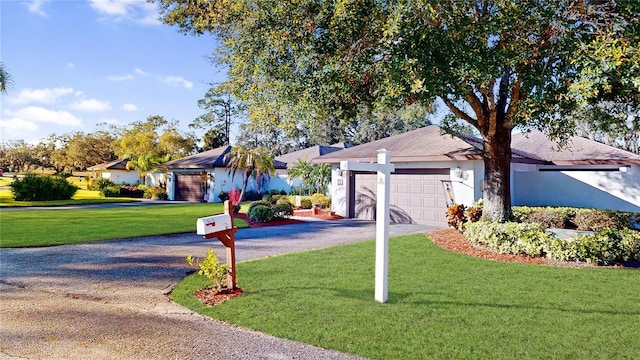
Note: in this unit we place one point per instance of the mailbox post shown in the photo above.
(384, 168)
(222, 227)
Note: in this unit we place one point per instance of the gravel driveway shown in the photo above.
(105, 300)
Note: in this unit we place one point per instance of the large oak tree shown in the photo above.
(496, 64)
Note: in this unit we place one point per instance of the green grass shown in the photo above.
(29, 228)
(441, 305)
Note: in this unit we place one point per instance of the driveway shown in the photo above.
(106, 300)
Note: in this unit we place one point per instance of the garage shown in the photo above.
(189, 187)
(416, 196)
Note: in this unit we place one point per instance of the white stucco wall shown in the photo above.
(614, 190)
(122, 176)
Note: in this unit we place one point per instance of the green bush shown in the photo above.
(100, 183)
(256, 203)
(606, 247)
(306, 203)
(321, 200)
(283, 209)
(261, 213)
(211, 268)
(42, 188)
(508, 238)
(111, 191)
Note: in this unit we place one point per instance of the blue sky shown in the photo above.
(77, 63)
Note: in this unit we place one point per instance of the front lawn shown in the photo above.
(25, 228)
(442, 305)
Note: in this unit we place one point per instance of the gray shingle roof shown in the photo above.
(205, 160)
(579, 150)
(120, 164)
(309, 153)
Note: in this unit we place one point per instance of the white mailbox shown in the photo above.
(211, 224)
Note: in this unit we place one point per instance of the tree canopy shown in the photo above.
(496, 64)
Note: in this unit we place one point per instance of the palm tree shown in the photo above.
(6, 82)
(256, 162)
(145, 164)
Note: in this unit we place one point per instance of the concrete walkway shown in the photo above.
(105, 300)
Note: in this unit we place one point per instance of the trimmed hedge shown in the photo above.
(608, 246)
(508, 238)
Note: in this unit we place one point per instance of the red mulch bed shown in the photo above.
(210, 296)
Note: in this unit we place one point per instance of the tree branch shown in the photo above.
(459, 113)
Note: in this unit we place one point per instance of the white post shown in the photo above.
(384, 168)
(382, 226)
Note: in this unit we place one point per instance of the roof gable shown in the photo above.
(309, 153)
(205, 160)
(119, 164)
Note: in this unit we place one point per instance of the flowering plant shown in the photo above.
(234, 196)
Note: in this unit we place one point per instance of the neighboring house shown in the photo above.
(117, 172)
(432, 169)
(201, 177)
(308, 154)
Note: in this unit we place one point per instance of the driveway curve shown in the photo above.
(107, 300)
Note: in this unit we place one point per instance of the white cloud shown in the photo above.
(70, 66)
(120, 77)
(129, 107)
(91, 105)
(36, 114)
(16, 127)
(44, 96)
(140, 72)
(177, 81)
(35, 7)
(138, 11)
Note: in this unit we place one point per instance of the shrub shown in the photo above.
(306, 203)
(234, 196)
(548, 218)
(594, 220)
(630, 245)
(111, 191)
(508, 238)
(210, 268)
(282, 209)
(42, 188)
(261, 213)
(154, 192)
(456, 217)
(256, 203)
(267, 198)
(321, 200)
(554, 217)
(282, 192)
(100, 183)
(474, 213)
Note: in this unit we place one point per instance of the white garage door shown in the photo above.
(416, 197)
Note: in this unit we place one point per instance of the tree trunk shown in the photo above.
(497, 174)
